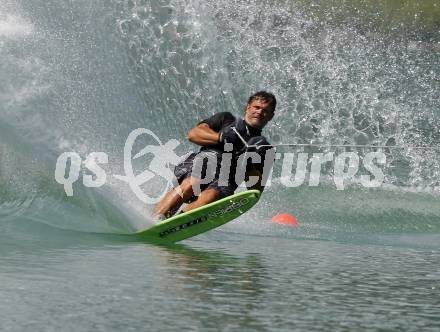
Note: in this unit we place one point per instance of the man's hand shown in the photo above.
(228, 135)
(257, 143)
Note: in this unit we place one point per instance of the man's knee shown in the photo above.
(186, 188)
(209, 195)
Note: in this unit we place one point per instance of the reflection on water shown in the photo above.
(228, 281)
(217, 279)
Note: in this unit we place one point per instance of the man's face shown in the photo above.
(258, 113)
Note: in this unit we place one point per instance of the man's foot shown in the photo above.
(159, 218)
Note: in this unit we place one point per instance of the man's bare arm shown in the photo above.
(203, 135)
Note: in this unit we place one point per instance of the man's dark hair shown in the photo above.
(266, 96)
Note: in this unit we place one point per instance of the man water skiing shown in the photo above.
(216, 136)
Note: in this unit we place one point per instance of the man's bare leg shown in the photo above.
(172, 200)
(205, 197)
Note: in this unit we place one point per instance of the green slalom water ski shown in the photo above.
(201, 220)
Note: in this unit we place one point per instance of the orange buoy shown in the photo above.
(285, 219)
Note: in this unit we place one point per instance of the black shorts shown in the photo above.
(193, 162)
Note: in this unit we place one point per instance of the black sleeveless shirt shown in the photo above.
(221, 120)
(225, 119)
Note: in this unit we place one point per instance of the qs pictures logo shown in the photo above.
(70, 165)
